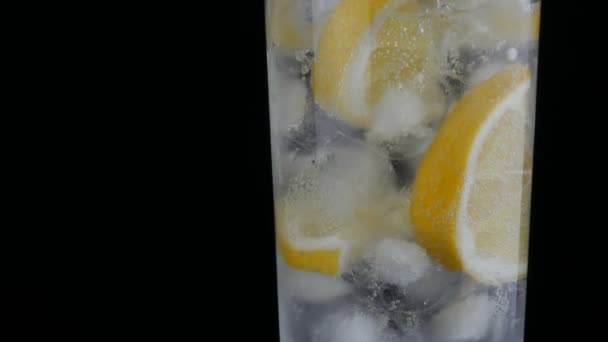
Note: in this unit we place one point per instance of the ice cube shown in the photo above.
(399, 216)
(309, 164)
(294, 94)
(398, 113)
(512, 54)
(464, 320)
(398, 262)
(508, 321)
(433, 290)
(274, 79)
(309, 286)
(349, 325)
(359, 168)
(284, 323)
(288, 97)
(404, 120)
(351, 182)
(292, 97)
(487, 24)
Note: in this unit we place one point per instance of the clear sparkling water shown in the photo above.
(394, 291)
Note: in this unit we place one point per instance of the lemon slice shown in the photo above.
(307, 238)
(312, 238)
(287, 25)
(330, 215)
(365, 47)
(470, 197)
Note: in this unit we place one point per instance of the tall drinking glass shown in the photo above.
(402, 156)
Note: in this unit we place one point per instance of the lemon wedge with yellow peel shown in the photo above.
(364, 47)
(470, 197)
(287, 25)
(310, 238)
(329, 215)
(306, 238)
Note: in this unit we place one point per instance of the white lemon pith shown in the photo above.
(471, 192)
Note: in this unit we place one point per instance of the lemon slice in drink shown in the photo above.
(471, 193)
(310, 238)
(307, 239)
(364, 47)
(329, 215)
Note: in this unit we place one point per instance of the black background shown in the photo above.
(139, 199)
